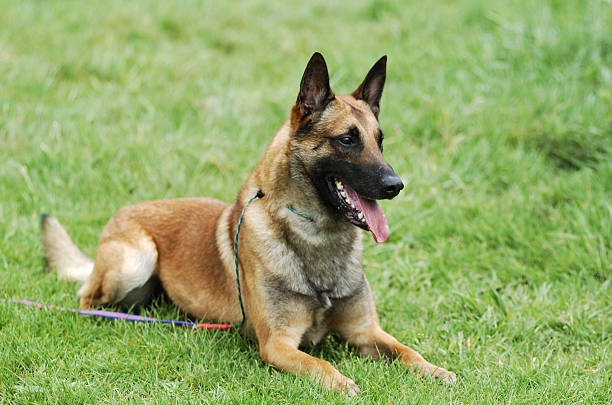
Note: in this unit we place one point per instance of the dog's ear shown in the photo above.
(315, 92)
(371, 89)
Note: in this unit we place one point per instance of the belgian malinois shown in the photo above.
(300, 243)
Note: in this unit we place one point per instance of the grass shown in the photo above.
(497, 115)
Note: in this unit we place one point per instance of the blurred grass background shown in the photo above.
(497, 115)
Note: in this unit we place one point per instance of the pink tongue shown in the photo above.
(374, 215)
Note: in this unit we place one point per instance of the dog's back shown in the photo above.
(173, 241)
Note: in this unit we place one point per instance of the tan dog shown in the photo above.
(299, 245)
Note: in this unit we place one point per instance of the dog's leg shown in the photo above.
(281, 350)
(122, 270)
(279, 337)
(356, 321)
(377, 342)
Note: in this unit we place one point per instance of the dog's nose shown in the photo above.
(392, 185)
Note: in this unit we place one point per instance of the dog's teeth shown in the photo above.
(343, 193)
(339, 185)
(360, 216)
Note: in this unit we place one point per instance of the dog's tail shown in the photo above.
(61, 253)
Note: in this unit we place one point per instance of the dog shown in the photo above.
(299, 242)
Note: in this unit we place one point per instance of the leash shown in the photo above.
(301, 214)
(139, 318)
(121, 315)
(258, 194)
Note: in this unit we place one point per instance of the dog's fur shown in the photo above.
(300, 253)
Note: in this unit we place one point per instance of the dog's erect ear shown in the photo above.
(371, 89)
(315, 92)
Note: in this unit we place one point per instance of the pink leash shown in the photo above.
(121, 315)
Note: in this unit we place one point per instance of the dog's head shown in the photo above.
(338, 141)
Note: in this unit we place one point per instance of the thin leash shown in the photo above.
(121, 315)
(258, 194)
(139, 318)
(301, 214)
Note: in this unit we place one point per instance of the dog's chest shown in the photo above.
(310, 275)
(328, 269)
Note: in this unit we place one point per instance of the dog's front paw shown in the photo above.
(437, 373)
(345, 385)
(444, 376)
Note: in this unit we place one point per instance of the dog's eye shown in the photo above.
(346, 140)
(349, 138)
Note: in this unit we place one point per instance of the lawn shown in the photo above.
(497, 116)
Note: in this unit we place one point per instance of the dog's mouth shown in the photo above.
(360, 211)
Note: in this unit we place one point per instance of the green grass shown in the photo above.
(497, 115)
